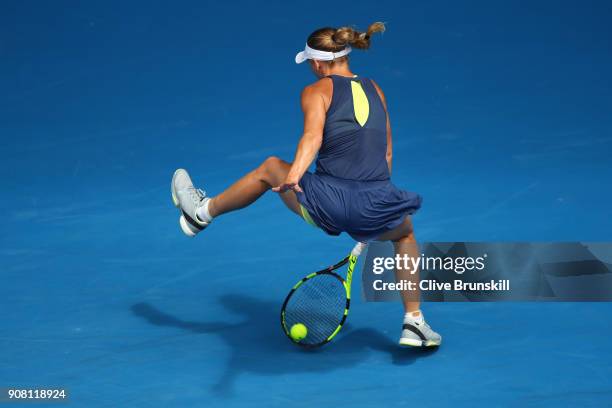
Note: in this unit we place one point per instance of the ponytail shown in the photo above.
(334, 40)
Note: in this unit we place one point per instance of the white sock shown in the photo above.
(410, 317)
(202, 212)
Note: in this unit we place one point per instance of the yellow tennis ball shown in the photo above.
(298, 332)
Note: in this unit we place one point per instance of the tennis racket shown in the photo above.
(320, 302)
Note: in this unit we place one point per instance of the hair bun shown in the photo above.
(349, 36)
(344, 36)
(337, 39)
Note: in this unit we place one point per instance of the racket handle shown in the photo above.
(358, 248)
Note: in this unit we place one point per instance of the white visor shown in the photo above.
(311, 53)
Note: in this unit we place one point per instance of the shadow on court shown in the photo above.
(258, 345)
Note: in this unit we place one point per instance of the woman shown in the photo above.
(346, 126)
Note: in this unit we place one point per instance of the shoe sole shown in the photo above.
(185, 227)
(418, 343)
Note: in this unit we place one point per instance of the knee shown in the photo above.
(267, 167)
(408, 238)
(270, 162)
(407, 233)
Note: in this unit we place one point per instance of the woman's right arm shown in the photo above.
(389, 155)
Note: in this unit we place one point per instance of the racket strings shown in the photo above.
(319, 304)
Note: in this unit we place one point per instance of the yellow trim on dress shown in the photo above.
(307, 216)
(361, 105)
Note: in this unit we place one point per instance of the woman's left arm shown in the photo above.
(313, 106)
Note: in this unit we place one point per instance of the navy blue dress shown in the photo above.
(351, 190)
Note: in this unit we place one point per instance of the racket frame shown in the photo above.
(351, 260)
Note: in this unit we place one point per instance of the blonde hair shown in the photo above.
(336, 39)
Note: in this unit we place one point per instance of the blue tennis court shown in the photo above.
(501, 120)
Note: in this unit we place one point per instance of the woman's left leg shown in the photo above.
(271, 173)
(197, 210)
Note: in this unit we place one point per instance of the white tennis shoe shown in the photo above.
(188, 199)
(417, 333)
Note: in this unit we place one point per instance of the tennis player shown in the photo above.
(347, 130)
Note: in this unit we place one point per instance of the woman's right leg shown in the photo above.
(405, 245)
(415, 332)
(271, 173)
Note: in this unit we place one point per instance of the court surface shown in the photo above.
(506, 133)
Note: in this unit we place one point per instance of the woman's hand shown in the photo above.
(289, 184)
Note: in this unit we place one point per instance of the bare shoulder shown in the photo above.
(322, 89)
(380, 92)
